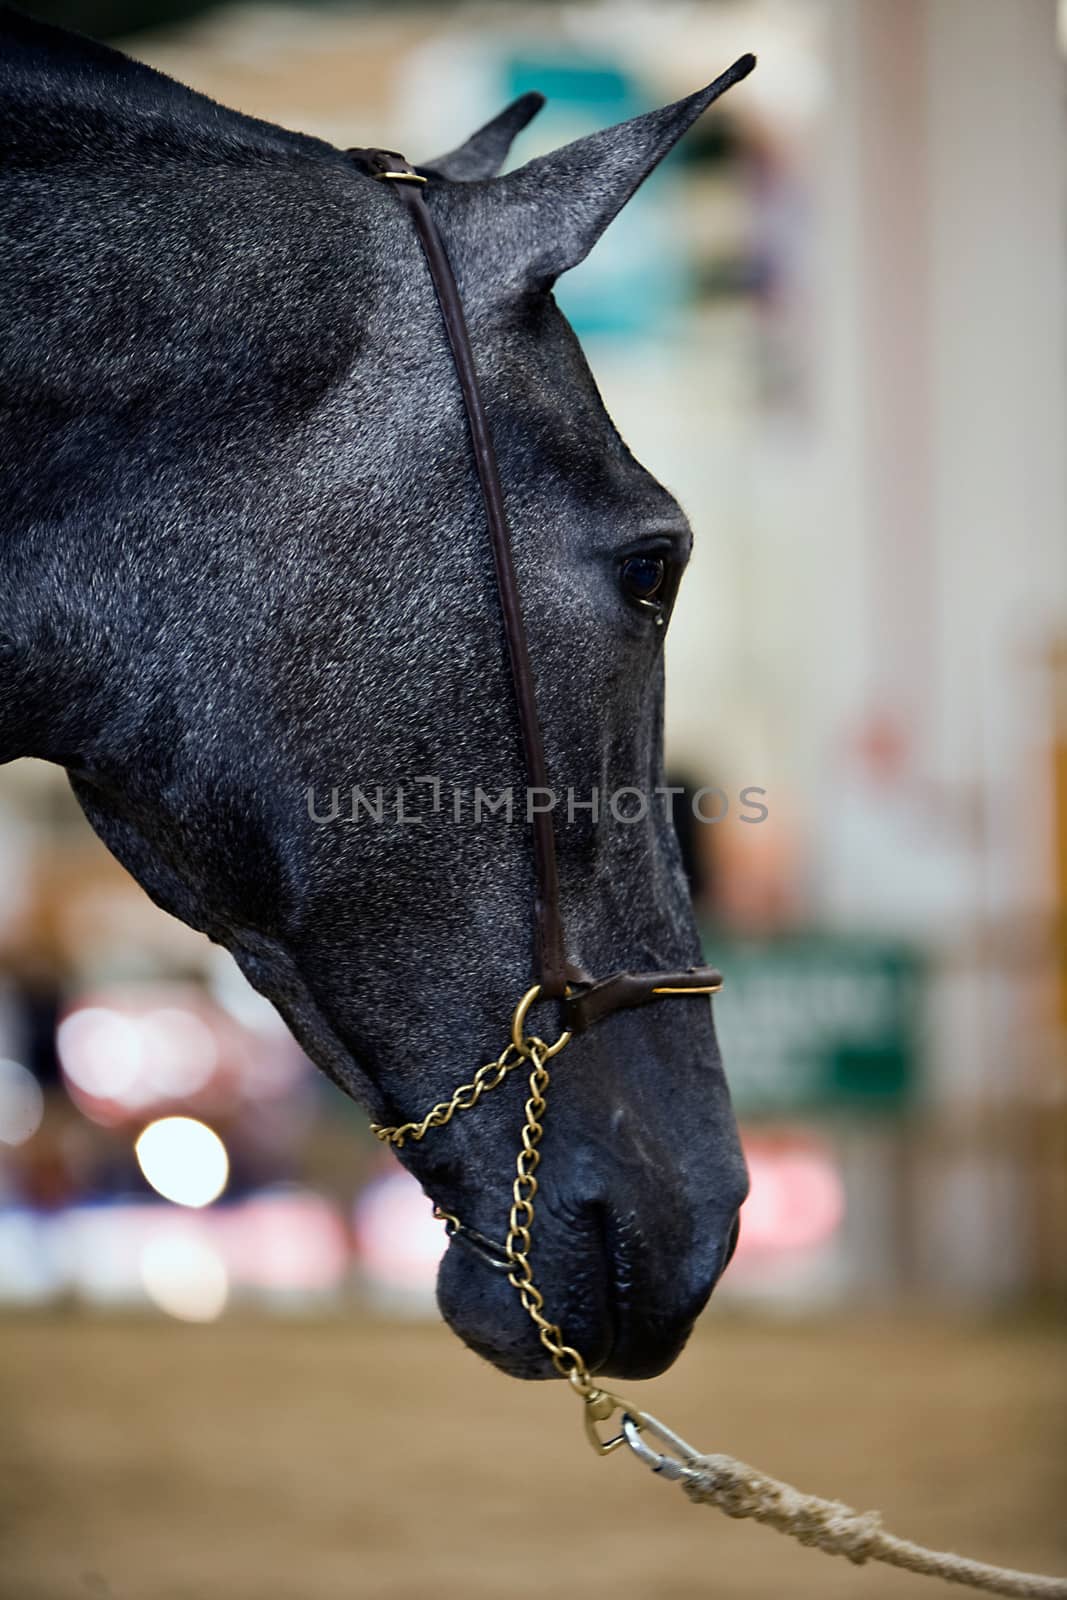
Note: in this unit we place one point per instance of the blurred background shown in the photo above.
(834, 324)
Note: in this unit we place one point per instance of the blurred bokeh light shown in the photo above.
(183, 1160)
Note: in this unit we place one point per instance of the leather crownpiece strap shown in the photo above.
(587, 1000)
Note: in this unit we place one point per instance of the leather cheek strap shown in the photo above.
(585, 1001)
(623, 990)
(408, 183)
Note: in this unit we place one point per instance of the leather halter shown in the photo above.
(584, 1000)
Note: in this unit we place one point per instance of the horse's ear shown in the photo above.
(485, 152)
(553, 210)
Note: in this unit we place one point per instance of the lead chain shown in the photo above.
(465, 1098)
(568, 1362)
(565, 1358)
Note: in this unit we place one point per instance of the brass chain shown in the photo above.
(568, 1362)
(566, 1359)
(465, 1098)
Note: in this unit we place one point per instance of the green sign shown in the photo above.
(814, 1022)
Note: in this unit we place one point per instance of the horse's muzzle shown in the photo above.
(629, 1311)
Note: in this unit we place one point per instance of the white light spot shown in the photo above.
(179, 1050)
(184, 1275)
(183, 1160)
(21, 1103)
(100, 1051)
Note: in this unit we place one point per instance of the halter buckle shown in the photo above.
(385, 165)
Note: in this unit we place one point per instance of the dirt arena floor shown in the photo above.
(272, 1460)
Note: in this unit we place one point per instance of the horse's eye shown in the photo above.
(643, 577)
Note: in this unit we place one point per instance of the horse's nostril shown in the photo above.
(731, 1243)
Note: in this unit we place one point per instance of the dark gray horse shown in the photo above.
(244, 557)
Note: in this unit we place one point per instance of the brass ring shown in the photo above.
(518, 1021)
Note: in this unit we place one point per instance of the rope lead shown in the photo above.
(828, 1525)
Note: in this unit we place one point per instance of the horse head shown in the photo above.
(249, 604)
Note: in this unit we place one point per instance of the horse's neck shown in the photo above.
(64, 98)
